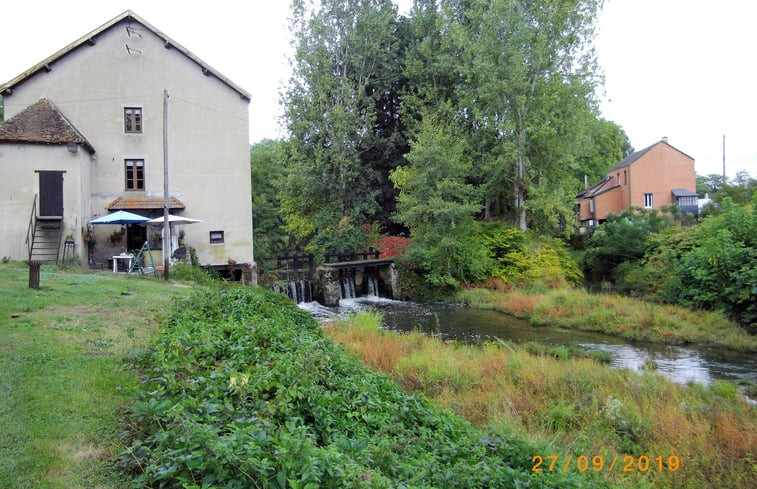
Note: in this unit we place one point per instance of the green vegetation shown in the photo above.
(241, 389)
(61, 352)
(739, 189)
(267, 173)
(578, 406)
(627, 317)
(429, 113)
(712, 266)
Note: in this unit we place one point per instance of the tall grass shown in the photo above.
(630, 318)
(578, 405)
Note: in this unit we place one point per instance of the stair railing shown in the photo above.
(30, 230)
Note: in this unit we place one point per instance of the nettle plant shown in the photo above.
(241, 389)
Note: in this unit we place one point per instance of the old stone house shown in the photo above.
(84, 136)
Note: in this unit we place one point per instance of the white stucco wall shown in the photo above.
(208, 149)
(20, 182)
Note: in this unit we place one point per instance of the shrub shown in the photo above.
(198, 275)
(524, 259)
(720, 270)
(392, 246)
(242, 390)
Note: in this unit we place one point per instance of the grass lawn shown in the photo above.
(63, 385)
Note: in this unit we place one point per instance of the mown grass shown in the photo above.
(62, 350)
(578, 406)
(629, 318)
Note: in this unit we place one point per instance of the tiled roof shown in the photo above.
(126, 203)
(638, 154)
(42, 123)
(596, 189)
(632, 157)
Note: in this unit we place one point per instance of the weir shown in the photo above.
(347, 278)
(350, 279)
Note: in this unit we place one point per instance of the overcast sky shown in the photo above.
(684, 69)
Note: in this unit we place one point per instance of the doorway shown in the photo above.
(50, 193)
(136, 235)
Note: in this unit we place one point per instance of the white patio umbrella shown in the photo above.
(171, 221)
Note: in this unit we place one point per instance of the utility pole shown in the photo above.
(723, 159)
(166, 224)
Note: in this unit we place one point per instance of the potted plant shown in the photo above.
(116, 236)
(181, 237)
(89, 237)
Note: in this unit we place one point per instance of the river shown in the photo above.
(682, 364)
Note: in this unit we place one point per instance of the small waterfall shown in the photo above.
(299, 291)
(347, 288)
(371, 286)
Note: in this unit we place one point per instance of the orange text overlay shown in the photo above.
(598, 463)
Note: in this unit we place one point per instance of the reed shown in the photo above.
(627, 317)
(578, 405)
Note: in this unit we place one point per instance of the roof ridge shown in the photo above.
(90, 38)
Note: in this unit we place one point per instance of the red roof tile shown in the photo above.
(127, 203)
(42, 123)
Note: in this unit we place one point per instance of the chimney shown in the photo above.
(664, 139)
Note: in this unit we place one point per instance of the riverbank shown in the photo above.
(578, 406)
(62, 349)
(626, 317)
(242, 389)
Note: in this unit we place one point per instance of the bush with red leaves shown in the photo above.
(391, 246)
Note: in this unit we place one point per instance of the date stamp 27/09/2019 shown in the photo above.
(598, 463)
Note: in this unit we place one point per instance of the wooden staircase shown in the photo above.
(44, 237)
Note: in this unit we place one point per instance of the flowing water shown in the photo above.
(682, 364)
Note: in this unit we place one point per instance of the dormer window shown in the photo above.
(133, 119)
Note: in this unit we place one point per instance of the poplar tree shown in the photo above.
(344, 72)
(534, 73)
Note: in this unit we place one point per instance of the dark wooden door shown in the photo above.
(50, 193)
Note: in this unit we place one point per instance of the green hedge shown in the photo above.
(242, 390)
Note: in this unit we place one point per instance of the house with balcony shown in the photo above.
(656, 176)
(87, 132)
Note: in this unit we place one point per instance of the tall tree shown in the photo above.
(267, 174)
(603, 144)
(531, 73)
(340, 110)
(439, 205)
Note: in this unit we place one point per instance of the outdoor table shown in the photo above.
(123, 256)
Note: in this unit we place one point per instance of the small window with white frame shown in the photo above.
(216, 237)
(133, 119)
(648, 201)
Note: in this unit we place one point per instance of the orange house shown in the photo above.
(653, 177)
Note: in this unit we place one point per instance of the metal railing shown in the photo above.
(32, 225)
(353, 256)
